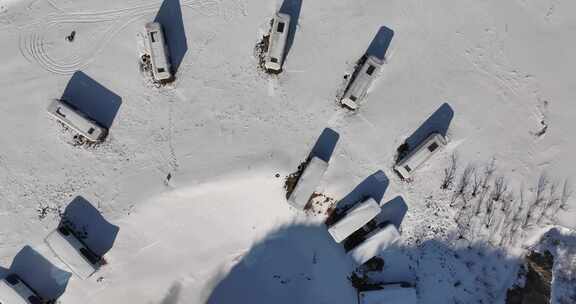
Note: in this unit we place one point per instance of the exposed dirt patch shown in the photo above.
(319, 204)
(292, 179)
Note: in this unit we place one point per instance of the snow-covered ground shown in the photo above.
(188, 171)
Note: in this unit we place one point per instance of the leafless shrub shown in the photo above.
(450, 172)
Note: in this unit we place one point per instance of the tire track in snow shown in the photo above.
(33, 41)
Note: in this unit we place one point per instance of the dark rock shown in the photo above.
(537, 287)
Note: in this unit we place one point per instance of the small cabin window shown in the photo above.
(273, 59)
(161, 70)
(153, 36)
(432, 147)
(353, 98)
(408, 169)
(91, 130)
(280, 27)
(370, 70)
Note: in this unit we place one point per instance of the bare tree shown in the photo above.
(491, 210)
(567, 192)
(535, 207)
(500, 187)
(551, 200)
(489, 169)
(543, 182)
(465, 179)
(476, 183)
(450, 172)
(463, 183)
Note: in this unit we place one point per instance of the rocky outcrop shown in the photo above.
(538, 277)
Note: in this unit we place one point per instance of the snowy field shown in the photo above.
(185, 196)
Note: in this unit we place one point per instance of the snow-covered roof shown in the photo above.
(308, 182)
(430, 146)
(277, 44)
(75, 120)
(67, 249)
(392, 295)
(354, 219)
(377, 242)
(9, 296)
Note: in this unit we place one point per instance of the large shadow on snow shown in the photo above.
(438, 122)
(170, 16)
(42, 276)
(380, 43)
(291, 8)
(374, 186)
(302, 264)
(92, 99)
(88, 223)
(295, 264)
(448, 272)
(173, 294)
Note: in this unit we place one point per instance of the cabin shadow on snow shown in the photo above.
(374, 186)
(294, 264)
(89, 224)
(46, 279)
(291, 8)
(393, 212)
(170, 16)
(381, 42)
(92, 99)
(325, 145)
(438, 122)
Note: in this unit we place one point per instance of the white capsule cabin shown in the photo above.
(73, 252)
(354, 219)
(307, 183)
(68, 115)
(277, 42)
(376, 242)
(359, 87)
(13, 290)
(158, 52)
(430, 146)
